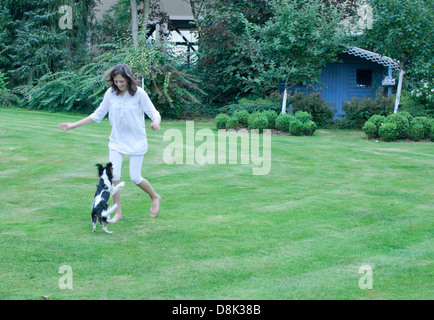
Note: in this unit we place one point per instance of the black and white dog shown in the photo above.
(100, 210)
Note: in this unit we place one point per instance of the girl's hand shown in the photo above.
(65, 126)
(156, 124)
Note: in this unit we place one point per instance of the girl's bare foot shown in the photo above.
(155, 206)
(116, 218)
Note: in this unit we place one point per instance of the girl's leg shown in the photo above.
(142, 183)
(116, 158)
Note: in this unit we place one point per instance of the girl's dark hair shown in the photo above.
(125, 71)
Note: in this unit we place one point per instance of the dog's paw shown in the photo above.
(121, 184)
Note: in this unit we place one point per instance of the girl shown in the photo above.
(126, 104)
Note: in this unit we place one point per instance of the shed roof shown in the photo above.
(385, 61)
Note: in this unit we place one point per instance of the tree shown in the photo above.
(403, 30)
(32, 43)
(224, 64)
(134, 23)
(293, 46)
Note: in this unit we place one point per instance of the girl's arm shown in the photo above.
(71, 125)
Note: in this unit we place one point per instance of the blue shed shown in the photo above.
(356, 73)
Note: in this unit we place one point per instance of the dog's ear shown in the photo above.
(100, 169)
(109, 170)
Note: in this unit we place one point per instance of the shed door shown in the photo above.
(335, 85)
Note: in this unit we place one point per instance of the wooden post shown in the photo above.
(398, 93)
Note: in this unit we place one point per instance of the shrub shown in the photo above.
(377, 120)
(252, 118)
(252, 106)
(282, 122)
(243, 116)
(358, 111)
(388, 132)
(407, 115)
(370, 129)
(425, 124)
(303, 116)
(402, 124)
(309, 128)
(232, 123)
(221, 121)
(260, 123)
(314, 104)
(432, 132)
(420, 100)
(417, 131)
(296, 127)
(271, 116)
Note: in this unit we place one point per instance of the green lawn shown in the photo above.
(330, 204)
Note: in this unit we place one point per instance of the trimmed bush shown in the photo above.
(432, 132)
(252, 117)
(407, 115)
(370, 129)
(232, 123)
(378, 120)
(425, 124)
(260, 123)
(388, 132)
(309, 128)
(402, 124)
(296, 127)
(417, 131)
(243, 116)
(303, 116)
(271, 115)
(282, 122)
(221, 121)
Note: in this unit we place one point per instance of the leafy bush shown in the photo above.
(432, 132)
(377, 120)
(252, 118)
(417, 131)
(358, 111)
(271, 116)
(388, 132)
(420, 100)
(260, 123)
(370, 129)
(172, 91)
(243, 116)
(252, 106)
(232, 123)
(309, 128)
(296, 127)
(7, 98)
(425, 124)
(221, 121)
(372, 126)
(282, 122)
(407, 115)
(402, 124)
(314, 104)
(303, 116)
